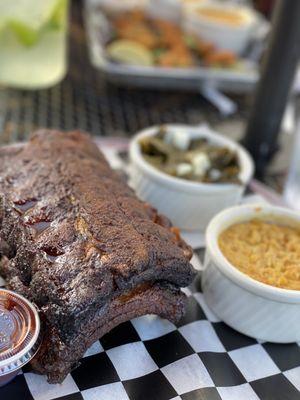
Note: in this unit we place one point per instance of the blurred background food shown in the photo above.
(142, 40)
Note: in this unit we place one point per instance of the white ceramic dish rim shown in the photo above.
(252, 15)
(242, 213)
(247, 165)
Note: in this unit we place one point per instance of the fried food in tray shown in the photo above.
(76, 241)
(138, 39)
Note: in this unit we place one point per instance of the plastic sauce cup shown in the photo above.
(19, 334)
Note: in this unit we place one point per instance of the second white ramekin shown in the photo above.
(251, 307)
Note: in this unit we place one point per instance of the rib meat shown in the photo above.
(76, 241)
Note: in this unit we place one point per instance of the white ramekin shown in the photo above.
(253, 308)
(189, 205)
(222, 35)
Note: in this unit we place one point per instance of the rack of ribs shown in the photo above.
(76, 241)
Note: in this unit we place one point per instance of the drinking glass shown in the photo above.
(32, 42)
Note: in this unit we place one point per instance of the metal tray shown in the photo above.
(98, 31)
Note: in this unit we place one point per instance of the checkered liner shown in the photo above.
(150, 358)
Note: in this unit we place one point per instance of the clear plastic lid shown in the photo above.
(19, 331)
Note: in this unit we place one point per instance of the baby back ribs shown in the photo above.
(76, 241)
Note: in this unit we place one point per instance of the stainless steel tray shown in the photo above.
(98, 32)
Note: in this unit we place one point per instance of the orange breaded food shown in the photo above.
(169, 34)
(222, 58)
(139, 33)
(265, 251)
(169, 45)
(204, 48)
(176, 57)
(134, 26)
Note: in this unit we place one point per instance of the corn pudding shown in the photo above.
(267, 252)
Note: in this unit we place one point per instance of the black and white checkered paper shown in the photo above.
(149, 358)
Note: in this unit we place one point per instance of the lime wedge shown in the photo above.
(130, 52)
(27, 18)
(26, 35)
(58, 18)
